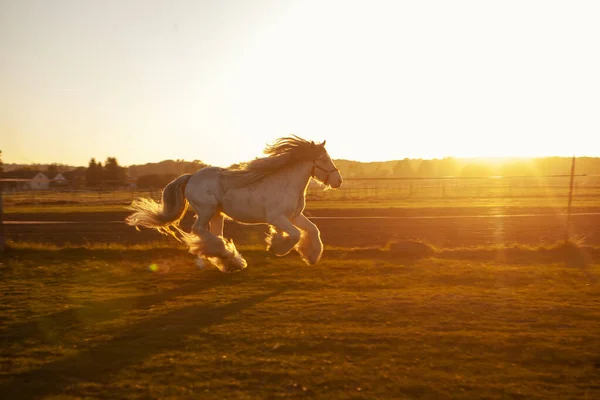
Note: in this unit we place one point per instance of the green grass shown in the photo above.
(400, 322)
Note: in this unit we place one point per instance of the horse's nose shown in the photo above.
(337, 183)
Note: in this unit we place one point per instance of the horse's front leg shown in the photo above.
(310, 246)
(284, 237)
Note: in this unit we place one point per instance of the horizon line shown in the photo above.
(469, 158)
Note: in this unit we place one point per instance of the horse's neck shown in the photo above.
(293, 178)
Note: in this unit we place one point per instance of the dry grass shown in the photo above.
(405, 321)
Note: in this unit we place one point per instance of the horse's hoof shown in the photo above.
(311, 260)
(277, 243)
(231, 264)
(280, 248)
(200, 263)
(279, 252)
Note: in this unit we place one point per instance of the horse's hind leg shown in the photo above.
(216, 224)
(206, 245)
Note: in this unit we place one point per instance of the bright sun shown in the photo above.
(378, 80)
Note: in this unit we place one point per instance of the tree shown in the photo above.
(381, 170)
(403, 168)
(356, 170)
(76, 177)
(426, 169)
(473, 170)
(154, 181)
(94, 173)
(448, 166)
(51, 170)
(114, 174)
(1, 162)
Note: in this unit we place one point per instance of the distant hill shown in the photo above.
(423, 168)
(414, 168)
(166, 167)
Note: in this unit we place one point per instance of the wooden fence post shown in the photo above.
(568, 222)
(1, 224)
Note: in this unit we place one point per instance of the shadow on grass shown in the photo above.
(54, 328)
(572, 254)
(131, 346)
(54, 254)
(51, 254)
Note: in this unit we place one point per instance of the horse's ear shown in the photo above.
(312, 143)
(323, 144)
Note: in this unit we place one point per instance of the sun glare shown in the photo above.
(381, 81)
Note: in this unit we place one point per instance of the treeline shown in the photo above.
(74, 175)
(172, 167)
(49, 169)
(109, 174)
(419, 168)
(157, 175)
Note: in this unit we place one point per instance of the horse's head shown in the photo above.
(324, 169)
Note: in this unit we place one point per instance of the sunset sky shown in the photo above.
(145, 81)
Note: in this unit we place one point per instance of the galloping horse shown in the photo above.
(269, 190)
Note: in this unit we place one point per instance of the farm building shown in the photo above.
(59, 180)
(26, 180)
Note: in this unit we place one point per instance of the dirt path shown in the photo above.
(358, 227)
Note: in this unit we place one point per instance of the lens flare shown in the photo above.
(153, 267)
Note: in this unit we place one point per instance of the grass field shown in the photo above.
(325, 204)
(400, 322)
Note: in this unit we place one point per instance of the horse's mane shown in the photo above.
(283, 152)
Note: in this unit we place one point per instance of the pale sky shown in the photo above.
(145, 81)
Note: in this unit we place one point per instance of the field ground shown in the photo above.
(91, 308)
(357, 193)
(407, 321)
(361, 213)
(326, 202)
(448, 227)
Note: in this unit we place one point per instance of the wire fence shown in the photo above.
(456, 188)
(357, 189)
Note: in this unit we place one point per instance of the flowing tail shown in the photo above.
(164, 216)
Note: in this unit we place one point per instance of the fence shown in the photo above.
(74, 197)
(359, 189)
(456, 188)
